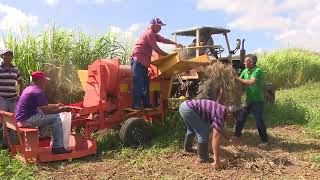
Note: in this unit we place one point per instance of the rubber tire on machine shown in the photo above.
(270, 94)
(135, 131)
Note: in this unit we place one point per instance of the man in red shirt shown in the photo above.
(141, 59)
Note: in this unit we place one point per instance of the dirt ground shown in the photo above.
(286, 157)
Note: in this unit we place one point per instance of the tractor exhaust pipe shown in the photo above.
(242, 52)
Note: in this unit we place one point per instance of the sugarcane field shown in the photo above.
(203, 89)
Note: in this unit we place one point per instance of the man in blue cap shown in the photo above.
(141, 59)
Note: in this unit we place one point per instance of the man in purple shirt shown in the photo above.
(201, 116)
(33, 110)
(141, 59)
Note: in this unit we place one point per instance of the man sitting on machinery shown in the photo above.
(33, 110)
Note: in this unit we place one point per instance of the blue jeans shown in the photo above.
(141, 84)
(257, 109)
(8, 105)
(43, 121)
(195, 125)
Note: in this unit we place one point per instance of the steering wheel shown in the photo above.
(219, 49)
(215, 51)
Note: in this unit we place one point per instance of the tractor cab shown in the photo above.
(204, 42)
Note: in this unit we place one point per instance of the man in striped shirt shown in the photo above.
(201, 116)
(9, 77)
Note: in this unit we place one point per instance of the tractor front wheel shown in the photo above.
(135, 132)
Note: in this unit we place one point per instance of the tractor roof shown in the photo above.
(203, 29)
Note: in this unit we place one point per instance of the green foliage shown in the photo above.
(290, 67)
(286, 112)
(315, 158)
(167, 137)
(109, 141)
(299, 106)
(14, 169)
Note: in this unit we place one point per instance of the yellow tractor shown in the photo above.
(186, 84)
(204, 45)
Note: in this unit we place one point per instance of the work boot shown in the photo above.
(60, 150)
(188, 141)
(203, 153)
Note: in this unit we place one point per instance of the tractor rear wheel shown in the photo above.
(135, 131)
(270, 94)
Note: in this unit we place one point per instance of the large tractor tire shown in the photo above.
(135, 132)
(270, 94)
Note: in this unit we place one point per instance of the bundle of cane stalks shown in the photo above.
(219, 84)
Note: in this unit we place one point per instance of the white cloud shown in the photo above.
(130, 34)
(100, 1)
(166, 47)
(14, 19)
(260, 51)
(2, 45)
(52, 2)
(93, 1)
(249, 22)
(293, 23)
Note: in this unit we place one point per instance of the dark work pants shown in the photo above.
(141, 84)
(257, 109)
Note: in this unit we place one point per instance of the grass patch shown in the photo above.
(297, 106)
(286, 112)
(14, 169)
(167, 137)
(315, 159)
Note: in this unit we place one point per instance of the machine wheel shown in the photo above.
(270, 94)
(134, 132)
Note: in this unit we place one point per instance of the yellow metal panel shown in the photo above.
(166, 62)
(124, 87)
(83, 76)
(154, 86)
(170, 65)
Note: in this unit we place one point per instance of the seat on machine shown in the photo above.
(34, 150)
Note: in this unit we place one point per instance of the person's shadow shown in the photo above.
(253, 140)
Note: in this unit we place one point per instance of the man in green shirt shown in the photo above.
(253, 77)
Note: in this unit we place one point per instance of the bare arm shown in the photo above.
(166, 41)
(216, 138)
(163, 40)
(21, 87)
(151, 38)
(20, 82)
(54, 109)
(248, 82)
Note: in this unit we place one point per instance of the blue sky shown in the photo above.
(265, 24)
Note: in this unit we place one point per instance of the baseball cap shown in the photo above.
(5, 50)
(157, 21)
(39, 75)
